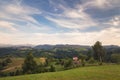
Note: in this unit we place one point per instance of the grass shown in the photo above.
(106, 72)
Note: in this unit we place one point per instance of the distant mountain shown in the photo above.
(54, 50)
(59, 46)
(15, 46)
(111, 46)
(44, 47)
(5, 45)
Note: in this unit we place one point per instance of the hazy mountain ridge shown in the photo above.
(48, 46)
(60, 46)
(56, 51)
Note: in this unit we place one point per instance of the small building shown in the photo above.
(75, 58)
(76, 61)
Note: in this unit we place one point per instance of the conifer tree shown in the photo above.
(29, 65)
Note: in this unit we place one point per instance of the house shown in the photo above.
(75, 58)
(76, 61)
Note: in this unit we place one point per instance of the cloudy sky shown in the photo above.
(60, 22)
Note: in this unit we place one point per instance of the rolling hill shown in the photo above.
(40, 50)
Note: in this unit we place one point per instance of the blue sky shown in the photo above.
(60, 22)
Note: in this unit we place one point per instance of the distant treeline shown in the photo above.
(57, 52)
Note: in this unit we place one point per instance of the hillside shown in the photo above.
(17, 63)
(58, 51)
(106, 72)
(14, 65)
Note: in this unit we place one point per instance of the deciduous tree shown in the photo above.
(99, 52)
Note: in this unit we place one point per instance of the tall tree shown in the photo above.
(29, 65)
(82, 57)
(99, 52)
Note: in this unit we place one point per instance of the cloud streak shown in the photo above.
(14, 13)
(78, 18)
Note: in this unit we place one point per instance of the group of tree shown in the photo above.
(101, 55)
(4, 63)
(30, 66)
(115, 58)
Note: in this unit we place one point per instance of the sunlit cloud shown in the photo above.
(87, 38)
(8, 25)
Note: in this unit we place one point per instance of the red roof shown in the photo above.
(75, 58)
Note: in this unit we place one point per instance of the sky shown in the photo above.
(81, 22)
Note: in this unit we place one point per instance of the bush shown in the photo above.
(41, 68)
(91, 60)
(68, 64)
(115, 58)
(8, 60)
(12, 73)
(52, 68)
(18, 72)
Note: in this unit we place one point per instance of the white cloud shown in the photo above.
(115, 21)
(7, 25)
(78, 18)
(73, 18)
(88, 38)
(5, 38)
(72, 23)
(21, 10)
(15, 11)
(101, 4)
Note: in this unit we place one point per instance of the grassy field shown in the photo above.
(106, 72)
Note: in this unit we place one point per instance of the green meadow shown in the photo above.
(105, 72)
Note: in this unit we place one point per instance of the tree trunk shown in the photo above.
(100, 61)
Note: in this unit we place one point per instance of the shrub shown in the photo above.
(115, 58)
(68, 64)
(91, 60)
(52, 68)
